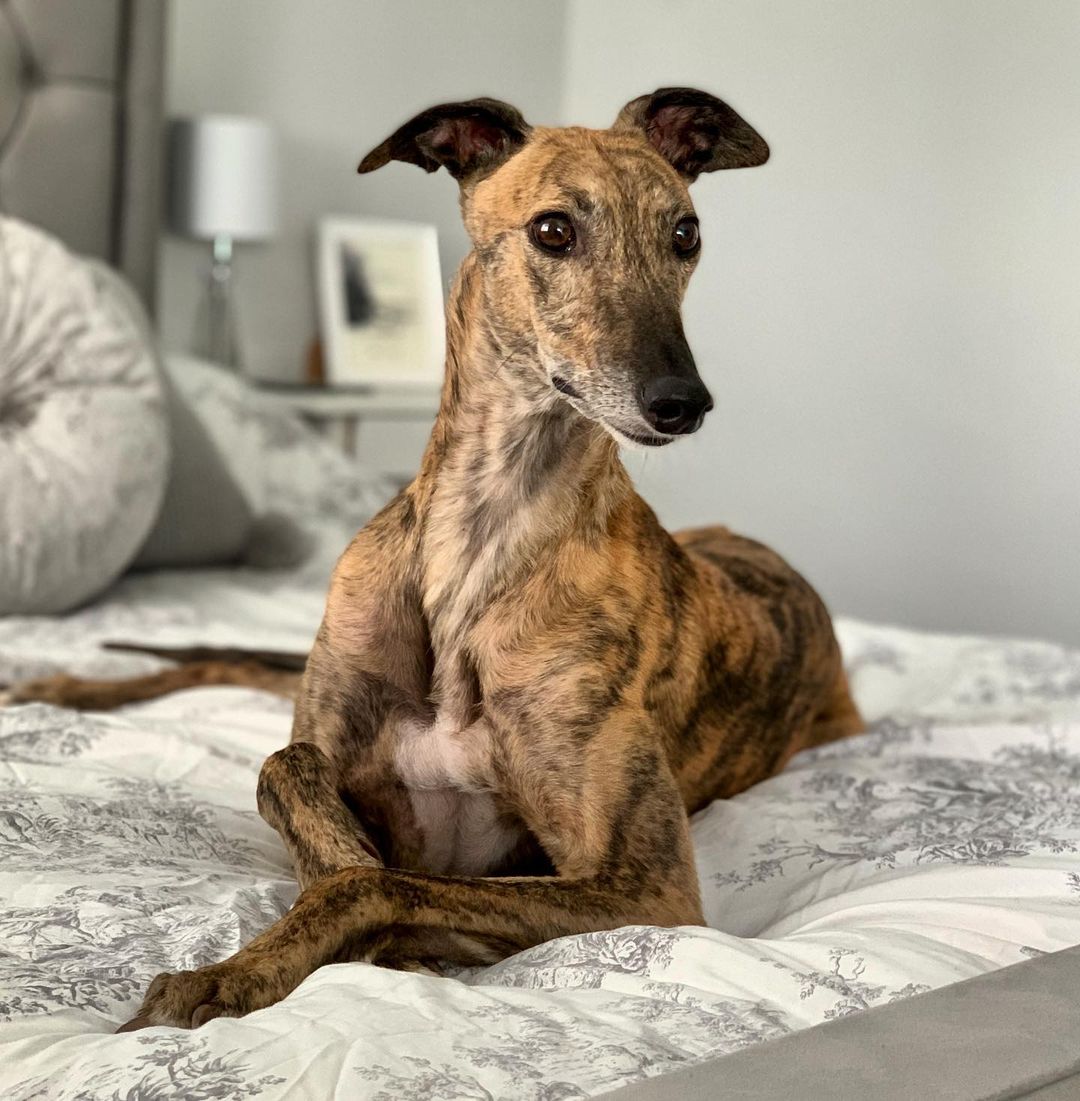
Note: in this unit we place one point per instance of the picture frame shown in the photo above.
(380, 303)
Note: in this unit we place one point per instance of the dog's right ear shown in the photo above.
(470, 139)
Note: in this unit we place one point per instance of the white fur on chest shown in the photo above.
(444, 766)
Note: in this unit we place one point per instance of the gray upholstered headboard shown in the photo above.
(80, 125)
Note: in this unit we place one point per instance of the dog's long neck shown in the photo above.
(511, 470)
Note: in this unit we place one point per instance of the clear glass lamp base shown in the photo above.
(216, 338)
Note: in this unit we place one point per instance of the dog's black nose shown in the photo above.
(675, 406)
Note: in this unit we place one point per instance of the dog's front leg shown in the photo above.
(297, 796)
(627, 860)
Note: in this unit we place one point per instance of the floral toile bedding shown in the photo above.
(942, 844)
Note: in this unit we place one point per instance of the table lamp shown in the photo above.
(222, 189)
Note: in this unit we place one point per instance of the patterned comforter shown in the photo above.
(942, 844)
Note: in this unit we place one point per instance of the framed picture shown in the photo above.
(380, 303)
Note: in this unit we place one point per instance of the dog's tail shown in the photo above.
(273, 671)
(275, 659)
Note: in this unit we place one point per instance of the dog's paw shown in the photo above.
(188, 999)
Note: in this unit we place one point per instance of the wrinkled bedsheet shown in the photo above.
(942, 844)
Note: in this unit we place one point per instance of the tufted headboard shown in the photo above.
(81, 149)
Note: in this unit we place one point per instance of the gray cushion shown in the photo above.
(83, 430)
(206, 519)
(267, 463)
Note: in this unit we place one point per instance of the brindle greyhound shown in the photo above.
(522, 683)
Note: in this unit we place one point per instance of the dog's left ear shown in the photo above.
(469, 139)
(694, 131)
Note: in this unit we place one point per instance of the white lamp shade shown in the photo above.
(223, 177)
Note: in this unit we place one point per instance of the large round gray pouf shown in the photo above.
(83, 429)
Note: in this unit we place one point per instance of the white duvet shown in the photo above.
(939, 846)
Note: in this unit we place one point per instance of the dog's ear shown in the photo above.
(470, 139)
(694, 131)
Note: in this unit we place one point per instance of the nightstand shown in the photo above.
(395, 422)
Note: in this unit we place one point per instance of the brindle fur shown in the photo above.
(523, 683)
(272, 671)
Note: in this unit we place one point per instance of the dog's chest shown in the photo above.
(445, 768)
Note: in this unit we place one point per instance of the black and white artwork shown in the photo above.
(380, 295)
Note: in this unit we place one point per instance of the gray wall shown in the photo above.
(888, 313)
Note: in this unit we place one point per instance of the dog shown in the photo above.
(523, 685)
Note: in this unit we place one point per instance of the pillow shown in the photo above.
(300, 487)
(84, 446)
(217, 508)
(206, 518)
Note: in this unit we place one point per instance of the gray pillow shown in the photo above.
(219, 507)
(205, 519)
(301, 488)
(83, 432)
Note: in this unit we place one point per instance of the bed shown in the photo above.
(875, 882)
(940, 846)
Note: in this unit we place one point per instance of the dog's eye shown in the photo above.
(552, 232)
(687, 237)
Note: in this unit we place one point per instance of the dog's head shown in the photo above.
(586, 240)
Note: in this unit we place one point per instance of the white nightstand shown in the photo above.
(339, 413)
